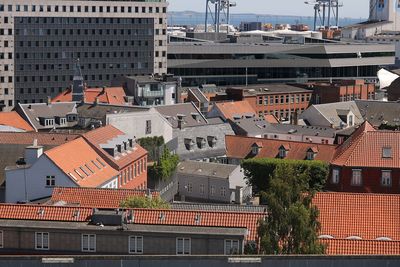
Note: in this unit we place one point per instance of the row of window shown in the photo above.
(133, 171)
(84, 32)
(83, 43)
(292, 99)
(281, 114)
(357, 179)
(201, 142)
(223, 190)
(74, 55)
(351, 97)
(135, 244)
(71, 8)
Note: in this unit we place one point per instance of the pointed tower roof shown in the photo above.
(77, 71)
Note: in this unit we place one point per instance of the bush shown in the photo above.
(152, 145)
(145, 202)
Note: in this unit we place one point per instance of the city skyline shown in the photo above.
(353, 9)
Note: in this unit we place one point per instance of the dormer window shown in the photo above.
(311, 154)
(201, 142)
(119, 148)
(189, 144)
(255, 149)
(212, 141)
(386, 152)
(49, 122)
(130, 143)
(283, 151)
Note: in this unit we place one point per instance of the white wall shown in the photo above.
(134, 124)
(35, 181)
(169, 90)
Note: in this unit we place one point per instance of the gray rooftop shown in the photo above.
(199, 95)
(35, 111)
(217, 207)
(379, 112)
(270, 89)
(99, 111)
(215, 170)
(191, 115)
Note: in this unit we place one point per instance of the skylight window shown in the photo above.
(73, 177)
(86, 172)
(89, 168)
(96, 164)
(387, 152)
(102, 163)
(80, 174)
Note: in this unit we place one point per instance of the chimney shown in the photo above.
(103, 90)
(180, 120)
(78, 91)
(96, 101)
(32, 153)
(48, 100)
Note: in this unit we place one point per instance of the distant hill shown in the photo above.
(194, 18)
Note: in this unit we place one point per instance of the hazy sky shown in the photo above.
(352, 8)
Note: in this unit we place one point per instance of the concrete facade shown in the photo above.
(142, 124)
(119, 38)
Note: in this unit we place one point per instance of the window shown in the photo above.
(50, 180)
(189, 187)
(386, 178)
(202, 189)
(1, 239)
(386, 152)
(136, 244)
(88, 243)
(335, 176)
(231, 247)
(311, 155)
(282, 153)
(183, 246)
(356, 178)
(223, 191)
(212, 190)
(41, 241)
(148, 127)
(255, 150)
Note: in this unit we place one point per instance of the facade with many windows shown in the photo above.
(39, 44)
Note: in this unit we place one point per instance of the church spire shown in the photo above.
(78, 94)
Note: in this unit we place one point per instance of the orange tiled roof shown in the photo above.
(110, 95)
(270, 148)
(361, 247)
(44, 213)
(103, 135)
(364, 148)
(369, 216)
(79, 161)
(204, 218)
(230, 109)
(13, 119)
(42, 138)
(94, 197)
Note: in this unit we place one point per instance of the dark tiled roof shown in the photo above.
(192, 116)
(379, 112)
(215, 170)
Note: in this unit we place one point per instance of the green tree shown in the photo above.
(166, 165)
(144, 202)
(260, 171)
(291, 225)
(152, 145)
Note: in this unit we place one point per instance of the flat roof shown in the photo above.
(269, 89)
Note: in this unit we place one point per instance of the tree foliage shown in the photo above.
(144, 202)
(166, 165)
(291, 226)
(152, 145)
(259, 172)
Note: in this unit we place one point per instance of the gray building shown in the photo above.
(40, 42)
(235, 63)
(212, 182)
(250, 26)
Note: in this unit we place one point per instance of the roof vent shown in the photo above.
(197, 218)
(325, 237)
(162, 216)
(383, 238)
(40, 212)
(354, 237)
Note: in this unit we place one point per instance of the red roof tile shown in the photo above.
(50, 139)
(44, 213)
(369, 216)
(13, 119)
(94, 197)
(110, 95)
(200, 218)
(361, 247)
(231, 109)
(364, 149)
(79, 161)
(270, 148)
(104, 134)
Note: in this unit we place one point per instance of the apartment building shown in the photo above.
(39, 43)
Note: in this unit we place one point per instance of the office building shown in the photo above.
(40, 41)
